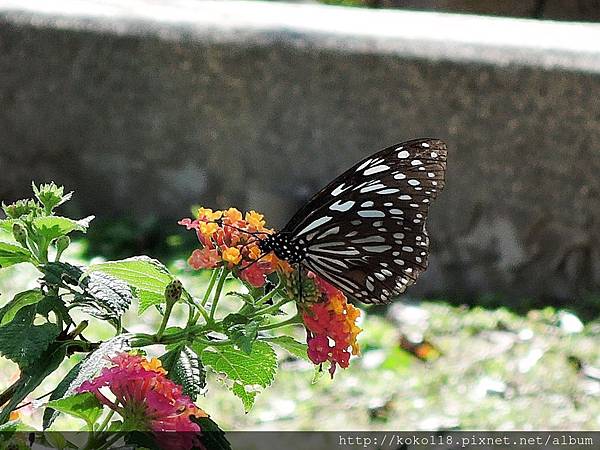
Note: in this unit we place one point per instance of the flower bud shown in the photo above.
(61, 244)
(173, 291)
(20, 234)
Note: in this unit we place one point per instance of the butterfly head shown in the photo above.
(284, 247)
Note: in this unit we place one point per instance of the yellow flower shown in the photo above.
(208, 229)
(14, 415)
(232, 255)
(337, 304)
(254, 252)
(154, 365)
(209, 214)
(233, 214)
(255, 219)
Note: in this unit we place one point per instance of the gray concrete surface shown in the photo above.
(145, 109)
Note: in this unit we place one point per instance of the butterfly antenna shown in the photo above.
(254, 262)
(252, 233)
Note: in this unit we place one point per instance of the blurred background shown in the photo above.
(145, 108)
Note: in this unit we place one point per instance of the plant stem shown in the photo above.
(293, 320)
(106, 421)
(204, 314)
(222, 278)
(211, 283)
(165, 319)
(268, 296)
(201, 311)
(272, 308)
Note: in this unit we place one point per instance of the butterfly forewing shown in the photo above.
(365, 231)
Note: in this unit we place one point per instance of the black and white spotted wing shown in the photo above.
(365, 231)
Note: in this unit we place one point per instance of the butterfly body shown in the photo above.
(365, 231)
(284, 247)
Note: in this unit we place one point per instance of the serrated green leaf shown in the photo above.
(11, 254)
(84, 406)
(291, 345)
(184, 368)
(58, 272)
(56, 304)
(243, 336)
(18, 302)
(6, 225)
(242, 331)
(247, 397)
(106, 297)
(51, 227)
(85, 370)
(233, 319)
(98, 359)
(24, 343)
(147, 276)
(249, 372)
(58, 393)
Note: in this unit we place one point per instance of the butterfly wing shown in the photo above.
(365, 231)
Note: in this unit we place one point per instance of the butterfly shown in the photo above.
(365, 232)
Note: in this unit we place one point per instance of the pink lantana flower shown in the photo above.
(148, 401)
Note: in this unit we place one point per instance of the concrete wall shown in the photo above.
(145, 109)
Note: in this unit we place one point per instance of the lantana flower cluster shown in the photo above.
(230, 240)
(147, 400)
(331, 327)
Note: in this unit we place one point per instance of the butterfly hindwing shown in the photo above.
(365, 231)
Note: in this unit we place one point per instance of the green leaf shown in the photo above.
(83, 406)
(6, 225)
(24, 343)
(184, 368)
(248, 372)
(106, 297)
(50, 195)
(246, 396)
(26, 207)
(9, 427)
(291, 345)
(11, 254)
(52, 227)
(147, 276)
(56, 304)
(59, 392)
(19, 301)
(242, 331)
(243, 336)
(87, 369)
(56, 273)
(32, 376)
(98, 359)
